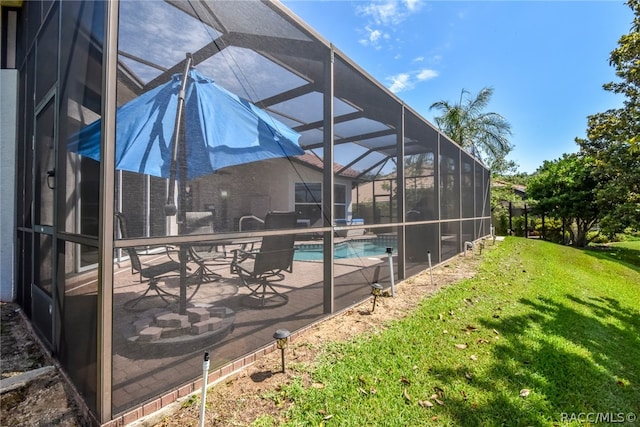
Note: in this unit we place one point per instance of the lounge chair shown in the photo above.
(259, 270)
(152, 273)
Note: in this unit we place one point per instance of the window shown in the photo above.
(308, 201)
(340, 201)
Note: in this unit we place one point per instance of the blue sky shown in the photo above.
(546, 60)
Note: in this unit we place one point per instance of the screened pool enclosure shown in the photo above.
(204, 173)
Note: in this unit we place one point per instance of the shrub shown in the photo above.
(596, 238)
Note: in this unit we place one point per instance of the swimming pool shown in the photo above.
(342, 250)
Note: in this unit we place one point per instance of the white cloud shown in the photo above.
(407, 81)
(418, 59)
(426, 74)
(412, 5)
(382, 13)
(384, 18)
(374, 35)
(400, 82)
(390, 12)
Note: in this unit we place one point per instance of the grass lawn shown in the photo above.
(543, 335)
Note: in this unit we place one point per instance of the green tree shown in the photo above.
(501, 196)
(486, 135)
(563, 189)
(613, 138)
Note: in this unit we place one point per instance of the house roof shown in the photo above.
(520, 190)
(315, 162)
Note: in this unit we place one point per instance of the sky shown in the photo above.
(545, 60)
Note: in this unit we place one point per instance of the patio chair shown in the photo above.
(204, 254)
(260, 269)
(152, 273)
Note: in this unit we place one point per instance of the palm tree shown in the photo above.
(466, 123)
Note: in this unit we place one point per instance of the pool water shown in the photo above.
(342, 250)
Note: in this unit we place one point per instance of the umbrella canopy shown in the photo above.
(221, 129)
(216, 129)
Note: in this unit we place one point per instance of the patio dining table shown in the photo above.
(214, 256)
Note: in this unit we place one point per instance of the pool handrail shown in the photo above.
(242, 218)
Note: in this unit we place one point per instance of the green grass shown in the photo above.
(560, 322)
(627, 253)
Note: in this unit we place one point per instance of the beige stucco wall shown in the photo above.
(256, 188)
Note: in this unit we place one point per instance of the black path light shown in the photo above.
(376, 291)
(376, 288)
(282, 339)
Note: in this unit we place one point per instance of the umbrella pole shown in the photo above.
(170, 207)
(178, 160)
(184, 257)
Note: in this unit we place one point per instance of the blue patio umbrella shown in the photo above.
(219, 129)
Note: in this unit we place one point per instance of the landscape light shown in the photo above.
(282, 338)
(376, 291)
